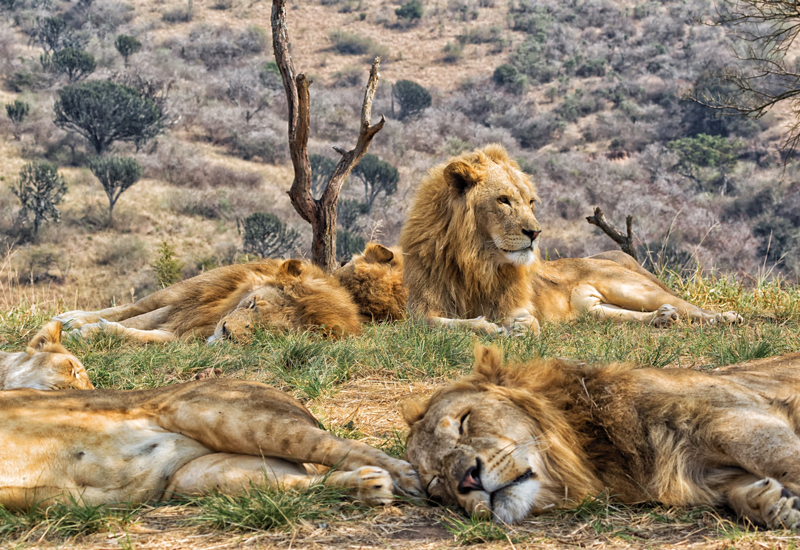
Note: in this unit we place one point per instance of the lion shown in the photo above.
(375, 281)
(471, 259)
(44, 365)
(132, 447)
(522, 437)
(228, 302)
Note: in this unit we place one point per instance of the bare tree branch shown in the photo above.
(625, 242)
(320, 213)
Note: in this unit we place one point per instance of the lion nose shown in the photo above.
(531, 234)
(471, 480)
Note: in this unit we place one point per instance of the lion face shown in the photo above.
(502, 200)
(264, 307)
(45, 365)
(479, 451)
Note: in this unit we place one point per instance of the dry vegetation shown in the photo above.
(590, 109)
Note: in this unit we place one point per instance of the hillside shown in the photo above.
(588, 98)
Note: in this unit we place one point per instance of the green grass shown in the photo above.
(470, 530)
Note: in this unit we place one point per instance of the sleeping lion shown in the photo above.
(470, 245)
(515, 438)
(130, 447)
(228, 302)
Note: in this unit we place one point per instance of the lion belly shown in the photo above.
(95, 457)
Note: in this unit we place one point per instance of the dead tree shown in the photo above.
(320, 213)
(625, 242)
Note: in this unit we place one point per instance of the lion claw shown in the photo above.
(665, 317)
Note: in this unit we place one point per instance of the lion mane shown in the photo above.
(375, 281)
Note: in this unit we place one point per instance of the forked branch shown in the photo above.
(624, 241)
(320, 213)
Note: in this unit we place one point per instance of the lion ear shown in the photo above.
(291, 268)
(377, 254)
(413, 409)
(489, 363)
(461, 176)
(49, 334)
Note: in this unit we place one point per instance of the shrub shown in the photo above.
(347, 214)
(263, 144)
(166, 267)
(353, 44)
(347, 244)
(377, 176)
(51, 33)
(482, 35)
(777, 237)
(509, 78)
(76, 64)
(40, 189)
(17, 112)
(592, 67)
(127, 46)
(321, 169)
(266, 235)
(412, 98)
(453, 52)
(104, 112)
(540, 131)
(530, 59)
(116, 175)
(217, 46)
(410, 11)
(179, 15)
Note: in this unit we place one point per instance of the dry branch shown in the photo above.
(625, 242)
(320, 213)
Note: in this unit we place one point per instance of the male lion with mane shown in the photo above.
(374, 279)
(228, 302)
(516, 438)
(130, 447)
(471, 259)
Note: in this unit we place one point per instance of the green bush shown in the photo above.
(777, 237)
(592, 67)
(347, 244)
(353, 44)
(167, 267)
(116, 175)
(529, 59)
(453, 52)
(40, 189)
(127, 46)
(104, 112)
(410, 11)
(266, 235)
(348, 212)
(74, 63)
(510, 79)
(377, 176)
(17, 112)
(321, 169)
(412, 98)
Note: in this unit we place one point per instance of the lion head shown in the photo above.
(469, 235)
(375, 281)
(497, 443)
(45, 365)
(299, 297)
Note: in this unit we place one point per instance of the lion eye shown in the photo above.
(462, 423)
(504, 200)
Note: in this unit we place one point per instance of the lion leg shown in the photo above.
(233, 474)
(763, 501)
(144, 336)
(153, 302)
(587, 298)
(478, 324)
(520, 322)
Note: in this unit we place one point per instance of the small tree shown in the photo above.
(321, 169)
(117, 175)
(104, 112)
(166, 266)
(377, 176)
(705, 151)
(51, 33)
(348, 212)
(40, 189)
(76, 64)
(412, 98)
(266, 235)
(17, 112)
(347, 244)
(127, 45)
(410, 11)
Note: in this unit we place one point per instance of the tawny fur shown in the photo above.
(679, 437)
(129, 447)
(44, 365)
(303, 298)
(375, 281)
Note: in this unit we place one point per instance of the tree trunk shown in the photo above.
(320, 213)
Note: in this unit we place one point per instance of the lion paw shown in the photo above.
(373, 485)
(208, 373)
(73, 319)
(776, 506)
(728, 318)
(406, 481)
(480, 324)
(665, 316)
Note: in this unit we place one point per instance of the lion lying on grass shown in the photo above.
(228, 302)
(515, 438)
(130, 447)
(470, 245)
(375, 281)
(45, 365)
